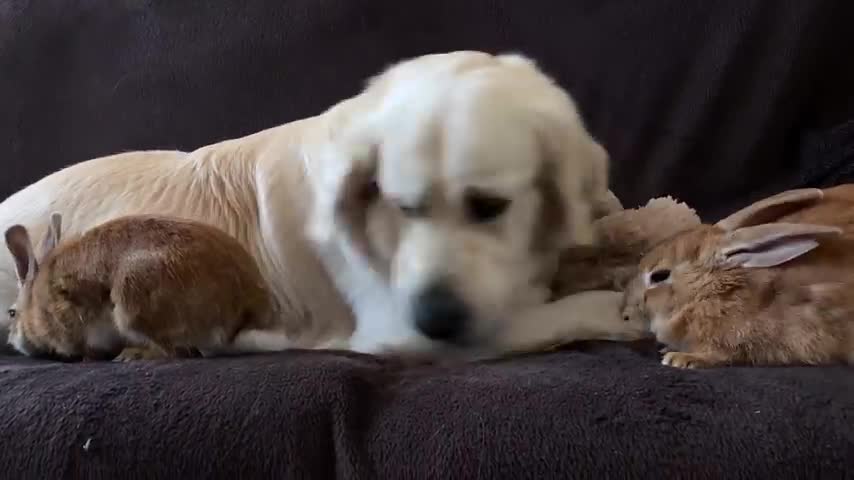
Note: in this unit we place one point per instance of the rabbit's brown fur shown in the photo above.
(716, 308)
(151, 284)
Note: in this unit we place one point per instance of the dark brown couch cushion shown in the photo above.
(597, 412)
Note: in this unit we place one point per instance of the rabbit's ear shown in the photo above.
(772, 244)
(772, 208)
(18, 242)
(53, 235)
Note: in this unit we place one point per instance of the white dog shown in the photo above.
(425, 213)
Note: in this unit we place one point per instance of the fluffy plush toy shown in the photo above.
(624, 236)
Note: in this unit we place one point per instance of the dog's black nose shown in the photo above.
(440, 314)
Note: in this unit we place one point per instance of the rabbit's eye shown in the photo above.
(12, 312)
(659, 276)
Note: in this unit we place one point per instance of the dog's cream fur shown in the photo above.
(344, 266)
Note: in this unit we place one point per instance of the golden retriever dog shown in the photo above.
(424, 214)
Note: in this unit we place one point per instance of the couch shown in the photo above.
(716, 103)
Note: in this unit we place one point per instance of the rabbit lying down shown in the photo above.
(139, 287)
(772, 284)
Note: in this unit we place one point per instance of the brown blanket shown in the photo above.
(597, 411)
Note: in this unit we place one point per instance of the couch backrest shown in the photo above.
(708, 101)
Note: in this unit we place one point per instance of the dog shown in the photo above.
(424, 214)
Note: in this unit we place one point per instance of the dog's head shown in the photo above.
(459, 181)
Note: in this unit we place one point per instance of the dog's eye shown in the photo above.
(484, 208)
(659, 276)
(12, 312)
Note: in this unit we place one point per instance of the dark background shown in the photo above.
(715, 102)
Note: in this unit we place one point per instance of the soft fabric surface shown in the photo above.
(710, 101)
(596, 412)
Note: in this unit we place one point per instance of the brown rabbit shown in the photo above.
(139, 287)
(772, 284)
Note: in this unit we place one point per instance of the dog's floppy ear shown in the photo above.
(357, 192)
(344, 189)
(575, 168)
(573, 177)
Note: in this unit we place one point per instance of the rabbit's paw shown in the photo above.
(140, 353)
(687, 360)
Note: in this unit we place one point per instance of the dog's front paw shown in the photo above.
(624, 328)
(627, 332)
(600, 312)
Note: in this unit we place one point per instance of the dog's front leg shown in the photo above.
(593, 315)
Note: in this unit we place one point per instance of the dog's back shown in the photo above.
(92, 192)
